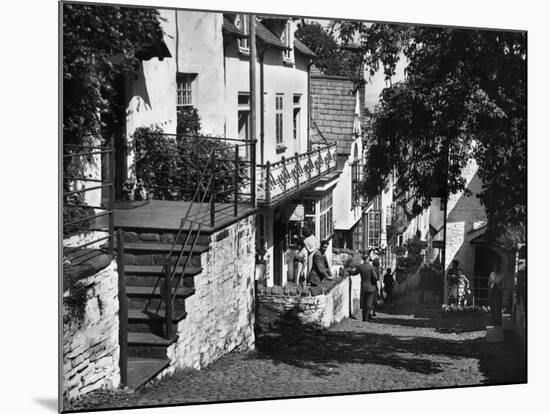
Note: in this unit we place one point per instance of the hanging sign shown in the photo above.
(295, 212)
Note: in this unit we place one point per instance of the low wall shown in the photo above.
(322, 306)
(220, 315)
(84, 237)
(90, 346)
(407, 283)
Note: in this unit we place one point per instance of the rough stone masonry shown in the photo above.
(220, 315)
(90, 347)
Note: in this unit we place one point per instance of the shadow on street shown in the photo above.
(320, 351)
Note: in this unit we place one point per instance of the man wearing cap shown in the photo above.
(320, 269)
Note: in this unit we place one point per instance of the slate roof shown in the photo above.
(303, 49)
(333, 109)
(230, 28)
(266, 36)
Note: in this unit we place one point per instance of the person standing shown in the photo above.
(388, 286)
(300, 262)
(452, 280)
(463, 288)
(320, 269)
(496, 282)
(378, 291)
(368, 287)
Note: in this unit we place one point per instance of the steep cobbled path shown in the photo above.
(408, 346)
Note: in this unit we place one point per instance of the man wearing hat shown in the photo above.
(369, 280)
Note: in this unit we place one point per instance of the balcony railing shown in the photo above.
(226, 164)
(282, 178)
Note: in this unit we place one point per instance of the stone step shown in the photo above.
(138, 316)
(138, 280)
(148, 339)
(165, 248)
(148, 345)
(159, 259)
(146, 292)
(157, 270)
(160, 236)
(142, 370)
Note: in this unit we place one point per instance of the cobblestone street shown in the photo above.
(407, 347)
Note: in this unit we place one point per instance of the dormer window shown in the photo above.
(242, 22)
(286, 38)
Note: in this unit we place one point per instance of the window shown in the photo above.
(327, 224)
(356, 179)
(309, 211)
(242, 21)
(296, 118)
(358, 236)
(279, 118)
(244, 101)
(286, 38)
(373, 228)
(184, 88)
(243, 118)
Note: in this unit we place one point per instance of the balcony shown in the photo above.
(279, 180)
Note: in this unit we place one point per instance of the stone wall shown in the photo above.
(84, 237)
(321, 307)
(90, 347)
(407, 283)
(220, 315)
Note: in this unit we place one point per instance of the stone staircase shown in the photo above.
(145, 254)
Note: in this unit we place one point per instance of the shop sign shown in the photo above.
(295, 212)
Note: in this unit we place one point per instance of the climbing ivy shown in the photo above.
(75, 301)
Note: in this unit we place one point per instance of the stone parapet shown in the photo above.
(320, 306)
(90, 345)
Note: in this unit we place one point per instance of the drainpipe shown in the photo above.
(309, 101)
(262, 103)
(252, 43)
(177, 41)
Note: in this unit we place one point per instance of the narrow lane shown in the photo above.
(407, 347)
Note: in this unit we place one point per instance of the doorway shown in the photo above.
(113, 132)
(483, 266)
(278, 247)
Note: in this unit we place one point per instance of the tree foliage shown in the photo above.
(99, 43)
(464, 97)
(331, 58)
(171, 167)
(322, 44)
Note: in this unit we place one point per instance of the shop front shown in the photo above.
(279, 228)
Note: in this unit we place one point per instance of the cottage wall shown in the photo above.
(151, 93)
(220, 315)
(90, 347)
(346, 215)
(200, 51)
(465, 213)
(279, 78)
